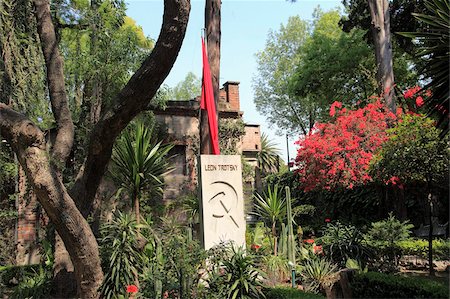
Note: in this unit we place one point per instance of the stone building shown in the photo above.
(181, 122)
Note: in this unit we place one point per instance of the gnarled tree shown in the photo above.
(67, 209)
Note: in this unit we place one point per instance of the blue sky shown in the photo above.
(245, 26)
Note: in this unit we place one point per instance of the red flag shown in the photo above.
(207, 103)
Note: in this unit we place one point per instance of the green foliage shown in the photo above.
(342, 242)
(433, 49)
(419, 247)
(414, 153)
(34, 285)
(318, 274)
(139, 163)
(8, 168)
(271, 206)
(187, 89)
(268, 156)
(121, 257)
(276, 267)
(389, 231)
(332, 61)
(235, 276)
(276, 65)
(382, 237)
(172, 262)
(379, 285)
(22, 68)
(230, 133)
(289, 293)
(28, 281)
(99, 59)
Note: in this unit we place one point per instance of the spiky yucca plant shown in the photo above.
(271, 208)
(121, 256)
(139, 164)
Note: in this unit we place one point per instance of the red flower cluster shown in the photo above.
(327, 220)
(420, 98)
(309, 241)
(255, 246)
(409, 94)
(132, 289)
(317, 249)
(333, 107)
(419, 101)
(338, 153)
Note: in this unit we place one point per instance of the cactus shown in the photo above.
(291, 245)
(282, 244)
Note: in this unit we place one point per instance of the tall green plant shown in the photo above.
(271, 208)
(268, 156)
(139, 164)
(121, 256)
(291, 244)
(383, 237)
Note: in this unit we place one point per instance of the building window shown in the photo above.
(256, 146)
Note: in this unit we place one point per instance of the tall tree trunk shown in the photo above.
(212, 24)
(28, 142)
(63, 142)
(381, 32)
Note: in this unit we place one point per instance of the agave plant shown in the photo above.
(271, 208)
(319, 274)
(139, 164)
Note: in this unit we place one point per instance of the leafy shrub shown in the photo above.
(35, 285)
(380, 285)
(28, 281)
(234, 275)
(383, 238)
(289, 293)
(172, 262)
(419, 247)
(342, 242)
(276, 267)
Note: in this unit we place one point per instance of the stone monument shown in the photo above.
(222, 200)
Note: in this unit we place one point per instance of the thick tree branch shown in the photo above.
(134, 98)
(55, 76)
(29, 144)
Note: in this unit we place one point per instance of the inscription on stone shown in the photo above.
(222, 200)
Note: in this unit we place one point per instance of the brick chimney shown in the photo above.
(232, 95)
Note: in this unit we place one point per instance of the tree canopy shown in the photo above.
(306, 67)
